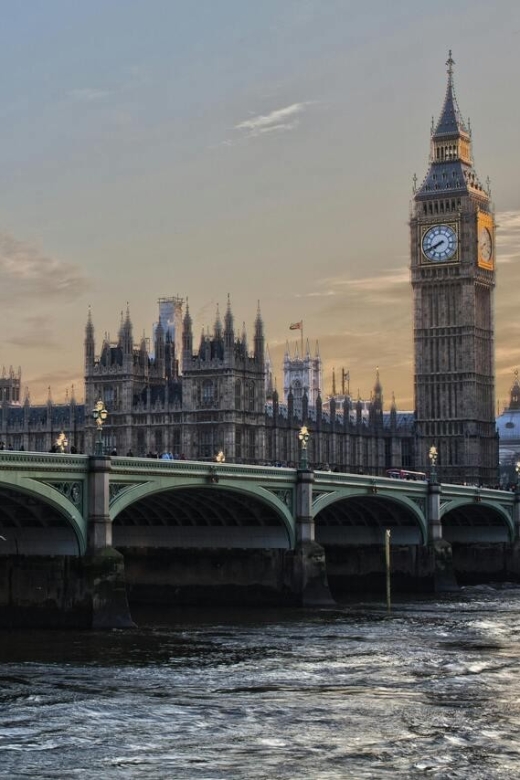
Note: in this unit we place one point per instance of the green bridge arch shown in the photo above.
(476, 520)
(45, 495)
(166, 499)
(384, 509)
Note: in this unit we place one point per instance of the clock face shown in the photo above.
(485, 244)
(439, 243)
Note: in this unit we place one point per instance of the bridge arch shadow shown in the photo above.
(363, 519)
(476, 522)
(201, 517)
(39, 522)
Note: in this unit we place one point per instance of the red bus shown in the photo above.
(413, 476)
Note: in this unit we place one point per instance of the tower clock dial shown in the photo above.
(439, 243)
(485, 244)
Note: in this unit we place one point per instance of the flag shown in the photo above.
(296, 325)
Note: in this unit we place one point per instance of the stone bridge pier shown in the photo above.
(104, 566)
(440, 550)
(310, 574)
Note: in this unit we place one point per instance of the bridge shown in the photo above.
(60, 504)
(82, 536)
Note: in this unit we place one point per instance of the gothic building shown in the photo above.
(218, 397)
(216, 403)
(453, 275)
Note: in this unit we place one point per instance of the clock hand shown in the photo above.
(438, 244)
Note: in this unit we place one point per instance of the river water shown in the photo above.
(430, 690)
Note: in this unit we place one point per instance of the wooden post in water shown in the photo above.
(387, 561)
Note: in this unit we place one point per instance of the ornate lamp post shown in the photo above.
(517, 469)
(432, 455)
(303, 436)
(100, 414)
(61, 442)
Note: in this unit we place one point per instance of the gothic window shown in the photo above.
(251, 444)
(238, 445)
(251, 396)
(238, 394)
(208, 392)
(206, 443)
(109, 397)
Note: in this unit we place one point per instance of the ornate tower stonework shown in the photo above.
(452, 232)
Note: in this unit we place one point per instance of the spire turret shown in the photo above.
(218, 325)
(451, 162)
(451, 123)
(187, 338)
(126, 339)
(159, 350)
(90, 346)
(259, 338)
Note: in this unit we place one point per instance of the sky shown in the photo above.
(267, 150)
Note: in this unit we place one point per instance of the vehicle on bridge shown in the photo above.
(413, 476)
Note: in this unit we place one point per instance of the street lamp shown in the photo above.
(303, 436)
(61, 442)
(100, 414)
(432, 454)
(517, 469)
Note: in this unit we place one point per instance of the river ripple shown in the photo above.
(431, 690)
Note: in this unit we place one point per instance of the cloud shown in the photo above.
(388, 288)
(25, 272)
(281, 119)
(59, 382)
(395, 277)
(88, 94)
(36, 332)
(508, 236)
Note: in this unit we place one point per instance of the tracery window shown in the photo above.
(207, 392)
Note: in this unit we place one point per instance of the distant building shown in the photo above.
(10, 384)
(508, 429)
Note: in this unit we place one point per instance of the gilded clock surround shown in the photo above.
(486, 241)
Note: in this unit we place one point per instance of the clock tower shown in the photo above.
(452, 231)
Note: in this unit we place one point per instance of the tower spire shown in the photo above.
(451, 170)
(450, 120)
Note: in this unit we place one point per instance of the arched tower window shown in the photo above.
(207, 392)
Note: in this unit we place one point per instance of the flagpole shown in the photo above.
(301, 331)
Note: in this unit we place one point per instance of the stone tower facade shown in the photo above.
(302, 377)
(223, 391)
(216, 403)
(453, 276)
